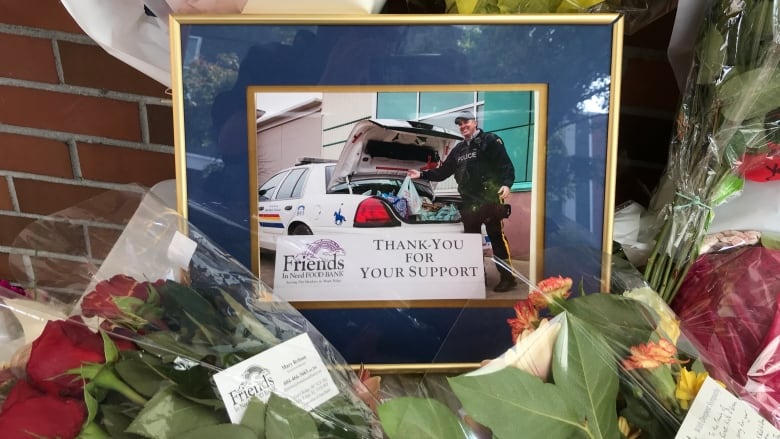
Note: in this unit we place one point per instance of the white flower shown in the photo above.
(532, 352)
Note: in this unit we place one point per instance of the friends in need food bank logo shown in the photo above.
(323, 258)
(257, 382)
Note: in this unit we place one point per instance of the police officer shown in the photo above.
(484, 174)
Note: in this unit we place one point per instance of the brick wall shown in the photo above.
(74, 123)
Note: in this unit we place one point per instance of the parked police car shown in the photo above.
(358, 193)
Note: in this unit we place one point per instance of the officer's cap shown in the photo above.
(464, 115)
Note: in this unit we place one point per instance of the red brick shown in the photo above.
(10, 227)
(5, 268)
(102, 240)
(45, 198)
(160, 124)
(54, 272)
(27, 58)
(5, 196)
(104, 71)
(25, 153)
(53, 235)
(45, 14)
(125, 165)
(649, 84)
(69, 113)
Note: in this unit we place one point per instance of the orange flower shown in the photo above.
(651, 355)
(527, 318)
(549, 290)
(367, 387)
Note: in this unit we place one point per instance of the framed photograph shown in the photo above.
(402, 180)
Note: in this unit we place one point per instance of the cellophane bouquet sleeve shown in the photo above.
(726, 130)
(174, 338)
(589, 365)
(729, 307)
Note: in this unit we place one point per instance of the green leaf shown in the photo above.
(344, 418)
(116, 421)
(420, 418)
(91, 401)
(168, 415)
(191, 303)
(285, 420)
(712, 53)
(109, 348)
(510, 401)
(750, 94)
(638, 415)
(536, 6)
(730, 187)
(250, 321)
(466, 6)
(770, 240)
(139, 375)
(93, 431)
(168, 346)
(226, 431)
(254, 417)
(622, 317)
(583, 366)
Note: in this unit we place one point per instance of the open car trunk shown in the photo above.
(377, 155)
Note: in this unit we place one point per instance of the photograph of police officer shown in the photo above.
(484, 174)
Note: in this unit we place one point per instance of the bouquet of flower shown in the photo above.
(728, 304)
(594, 366)
(175, 339)
(638, 12)
(727, 129)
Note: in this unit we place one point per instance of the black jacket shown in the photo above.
(480, 166)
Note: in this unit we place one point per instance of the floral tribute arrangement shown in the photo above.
(727, 130)
(142, 357)
(591, 366)
(729, 306)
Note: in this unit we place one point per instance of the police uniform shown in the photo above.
(481, 166)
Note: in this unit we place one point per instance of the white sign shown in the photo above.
(368, 267)
(716, 413)
(292, 370)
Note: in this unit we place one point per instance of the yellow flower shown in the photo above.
(627, 430)
(688, 386)
(668, 325)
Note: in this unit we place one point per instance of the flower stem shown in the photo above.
(108, 379)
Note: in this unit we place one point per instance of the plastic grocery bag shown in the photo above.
(409, 193)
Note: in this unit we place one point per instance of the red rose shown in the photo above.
(30, 414)
(21, 391)
(62, 346)
(112, 299)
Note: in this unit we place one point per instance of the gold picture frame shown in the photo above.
(571, 61)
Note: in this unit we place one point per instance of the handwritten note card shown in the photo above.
(716, 413)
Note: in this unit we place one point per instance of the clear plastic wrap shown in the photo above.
(726, 131)
(597, 365)
(728, 306)
(171, 338)
(638, 13)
